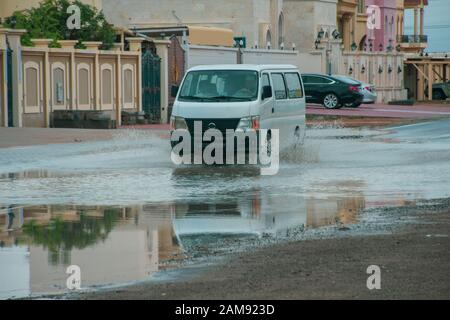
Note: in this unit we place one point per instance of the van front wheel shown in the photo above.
(269, 144)
(299, 138)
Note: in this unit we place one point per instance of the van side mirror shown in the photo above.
(266, 92)
(174, 91)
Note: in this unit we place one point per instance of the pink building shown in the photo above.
(383, 36)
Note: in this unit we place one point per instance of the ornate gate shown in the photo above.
(151, 86)
(9, 85)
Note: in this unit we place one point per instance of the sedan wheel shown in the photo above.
(330, 101)
(353, 105)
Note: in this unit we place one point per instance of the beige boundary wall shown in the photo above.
(364, 66)
(46, 80)
(383, 70)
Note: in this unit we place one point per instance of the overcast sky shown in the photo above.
(437, 25)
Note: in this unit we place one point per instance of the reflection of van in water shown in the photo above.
(242, 97)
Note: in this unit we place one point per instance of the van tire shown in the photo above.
(299, 137)
(269, 143)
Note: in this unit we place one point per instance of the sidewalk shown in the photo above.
(419, 111)
(366, 115)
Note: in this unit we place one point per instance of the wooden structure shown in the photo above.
(422, 72)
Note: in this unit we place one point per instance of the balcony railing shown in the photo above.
(412, 39)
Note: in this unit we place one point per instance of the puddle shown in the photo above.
(122, 212)
(114, 245)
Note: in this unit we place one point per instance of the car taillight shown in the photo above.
(353, 88)
(368, 89)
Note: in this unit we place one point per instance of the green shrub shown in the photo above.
(49, 21)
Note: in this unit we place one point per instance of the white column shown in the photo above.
(163, 52)
(3, 87)
(119, 80)
(415, 21)
(17, 76)
(422, 14)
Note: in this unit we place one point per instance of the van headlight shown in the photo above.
(248, 123)
(177, 123)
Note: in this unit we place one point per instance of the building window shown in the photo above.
(280, 31)
(58, 90)
(107, 86)
(83, 85)
(385, 25)
(128, 86)
(361, 6)
(32, 87)
(268, 38)
(32, 92)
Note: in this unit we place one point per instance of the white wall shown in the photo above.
(251, 56)
(310, 63)
(203, 55)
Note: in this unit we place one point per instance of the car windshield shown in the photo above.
(220, 86)
(347, 80)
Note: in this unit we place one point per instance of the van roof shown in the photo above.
(253, 67)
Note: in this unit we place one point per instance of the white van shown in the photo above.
(247, 97)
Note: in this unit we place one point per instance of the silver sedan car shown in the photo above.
(366, 89)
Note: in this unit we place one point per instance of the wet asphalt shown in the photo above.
(124, 213)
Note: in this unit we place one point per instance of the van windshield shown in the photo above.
(220, 86)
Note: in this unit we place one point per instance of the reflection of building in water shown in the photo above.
(117, 245)
(272, 214)
(332, 210)
(161, 234)
(14, 272)
(258, 215)
(111, 245)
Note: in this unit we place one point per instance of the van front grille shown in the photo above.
(220, 124)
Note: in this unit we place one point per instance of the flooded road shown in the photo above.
(121, 211)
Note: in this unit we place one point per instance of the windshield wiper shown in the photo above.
(230, 97)
(197, 98)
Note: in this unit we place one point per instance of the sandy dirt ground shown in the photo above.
(414, 262)
(19, 137)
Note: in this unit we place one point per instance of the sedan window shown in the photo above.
(320, 80)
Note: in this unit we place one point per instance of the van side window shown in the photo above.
(294, 85)
(278, 86)
(265, 80)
